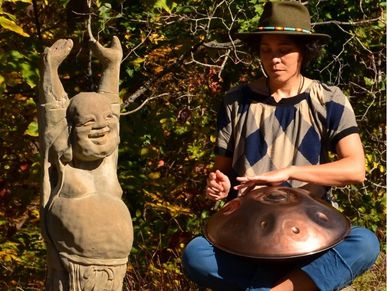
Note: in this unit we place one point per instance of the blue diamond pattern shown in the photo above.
(285, 115)
(310, 146)
(334, 114)
(255, 147)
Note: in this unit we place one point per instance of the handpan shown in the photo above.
(276, 223)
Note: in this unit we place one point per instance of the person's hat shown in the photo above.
(284, 17)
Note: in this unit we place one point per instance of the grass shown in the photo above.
(374, 279)
(157, 278)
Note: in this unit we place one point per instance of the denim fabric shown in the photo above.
(331, 270)
(343, 263)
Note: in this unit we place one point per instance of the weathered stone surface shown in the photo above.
(87, 227)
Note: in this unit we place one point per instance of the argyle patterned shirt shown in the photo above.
(262, 135)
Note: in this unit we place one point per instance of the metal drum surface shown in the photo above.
(276, 223)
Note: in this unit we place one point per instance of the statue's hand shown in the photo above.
(53, 56)
(108, 55)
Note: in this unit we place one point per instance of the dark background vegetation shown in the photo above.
(179, 59)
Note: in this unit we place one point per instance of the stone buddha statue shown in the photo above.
(86, 225)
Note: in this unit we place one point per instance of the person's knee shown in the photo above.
(362, 250)
(188, 260)
(196, 259)
(367, 243)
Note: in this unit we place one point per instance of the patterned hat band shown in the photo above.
(282, 28)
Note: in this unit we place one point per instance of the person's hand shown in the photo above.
(108, 55)
(273, 178)
(218, 185)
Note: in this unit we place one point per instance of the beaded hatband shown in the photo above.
(281, 28)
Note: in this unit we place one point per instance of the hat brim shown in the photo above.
(251, 36)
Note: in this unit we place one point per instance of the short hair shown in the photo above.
(310, 50)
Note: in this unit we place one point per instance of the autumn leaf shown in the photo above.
(12, 26)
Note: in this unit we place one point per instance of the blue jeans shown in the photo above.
(333, 269)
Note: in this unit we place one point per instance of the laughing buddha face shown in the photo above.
(95, 129)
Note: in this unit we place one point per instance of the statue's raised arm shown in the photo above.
(53, 103)
(110, 58)
(52, 58)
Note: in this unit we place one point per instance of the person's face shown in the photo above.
(280, 56)
(95, 129)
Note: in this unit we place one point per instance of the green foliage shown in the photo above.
(8, 20)
(167, 141)
(22, 251)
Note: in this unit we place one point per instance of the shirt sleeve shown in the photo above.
(340, 118)
(227, 114)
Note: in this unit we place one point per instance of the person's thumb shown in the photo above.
(220, 176)
(212, 176)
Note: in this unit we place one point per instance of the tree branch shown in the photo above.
(143, 104)
(336, 22)
(140, 91)
(223, 45)
(37, 23)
